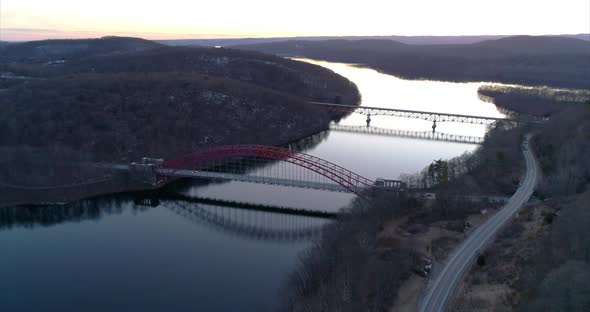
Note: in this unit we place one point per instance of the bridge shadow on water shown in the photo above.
(243, 220)
(253, 224)
(412, 134)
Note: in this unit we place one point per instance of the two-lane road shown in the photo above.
(441, 289)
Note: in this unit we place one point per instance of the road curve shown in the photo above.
(442, 288)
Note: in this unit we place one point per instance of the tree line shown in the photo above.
(524, 60)
(541, 101)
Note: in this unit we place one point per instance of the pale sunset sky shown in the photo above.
(173, 19)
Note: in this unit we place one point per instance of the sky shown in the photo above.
(175, 19)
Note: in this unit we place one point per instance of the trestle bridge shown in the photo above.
(433, 117)
(424, 115)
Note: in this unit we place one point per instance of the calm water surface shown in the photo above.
(112, 254)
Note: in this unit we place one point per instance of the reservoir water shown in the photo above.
(112, 254)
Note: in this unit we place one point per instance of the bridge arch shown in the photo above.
(340, 175)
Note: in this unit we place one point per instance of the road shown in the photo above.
(440, 290)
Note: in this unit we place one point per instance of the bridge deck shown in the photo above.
(425, 115)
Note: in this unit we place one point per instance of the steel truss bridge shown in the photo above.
(261, 164)
(423, 135)
(424, 115)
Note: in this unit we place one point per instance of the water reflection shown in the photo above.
(137, 257)
(250, 224)
(309, 142)
(44, 216)
(421, 135)
(243, 220)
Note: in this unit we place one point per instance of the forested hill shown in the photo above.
(163, 101)
(64, 49)
(539, 45)
(284, 75)
(527, 60)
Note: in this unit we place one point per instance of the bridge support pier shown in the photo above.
(144, 170)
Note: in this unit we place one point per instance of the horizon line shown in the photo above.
(237, 37)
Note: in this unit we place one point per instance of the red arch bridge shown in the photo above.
(260, 164)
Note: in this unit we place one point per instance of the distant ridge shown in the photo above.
(556, 61)
(52, 49)
(539, 44)
(413, 40)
